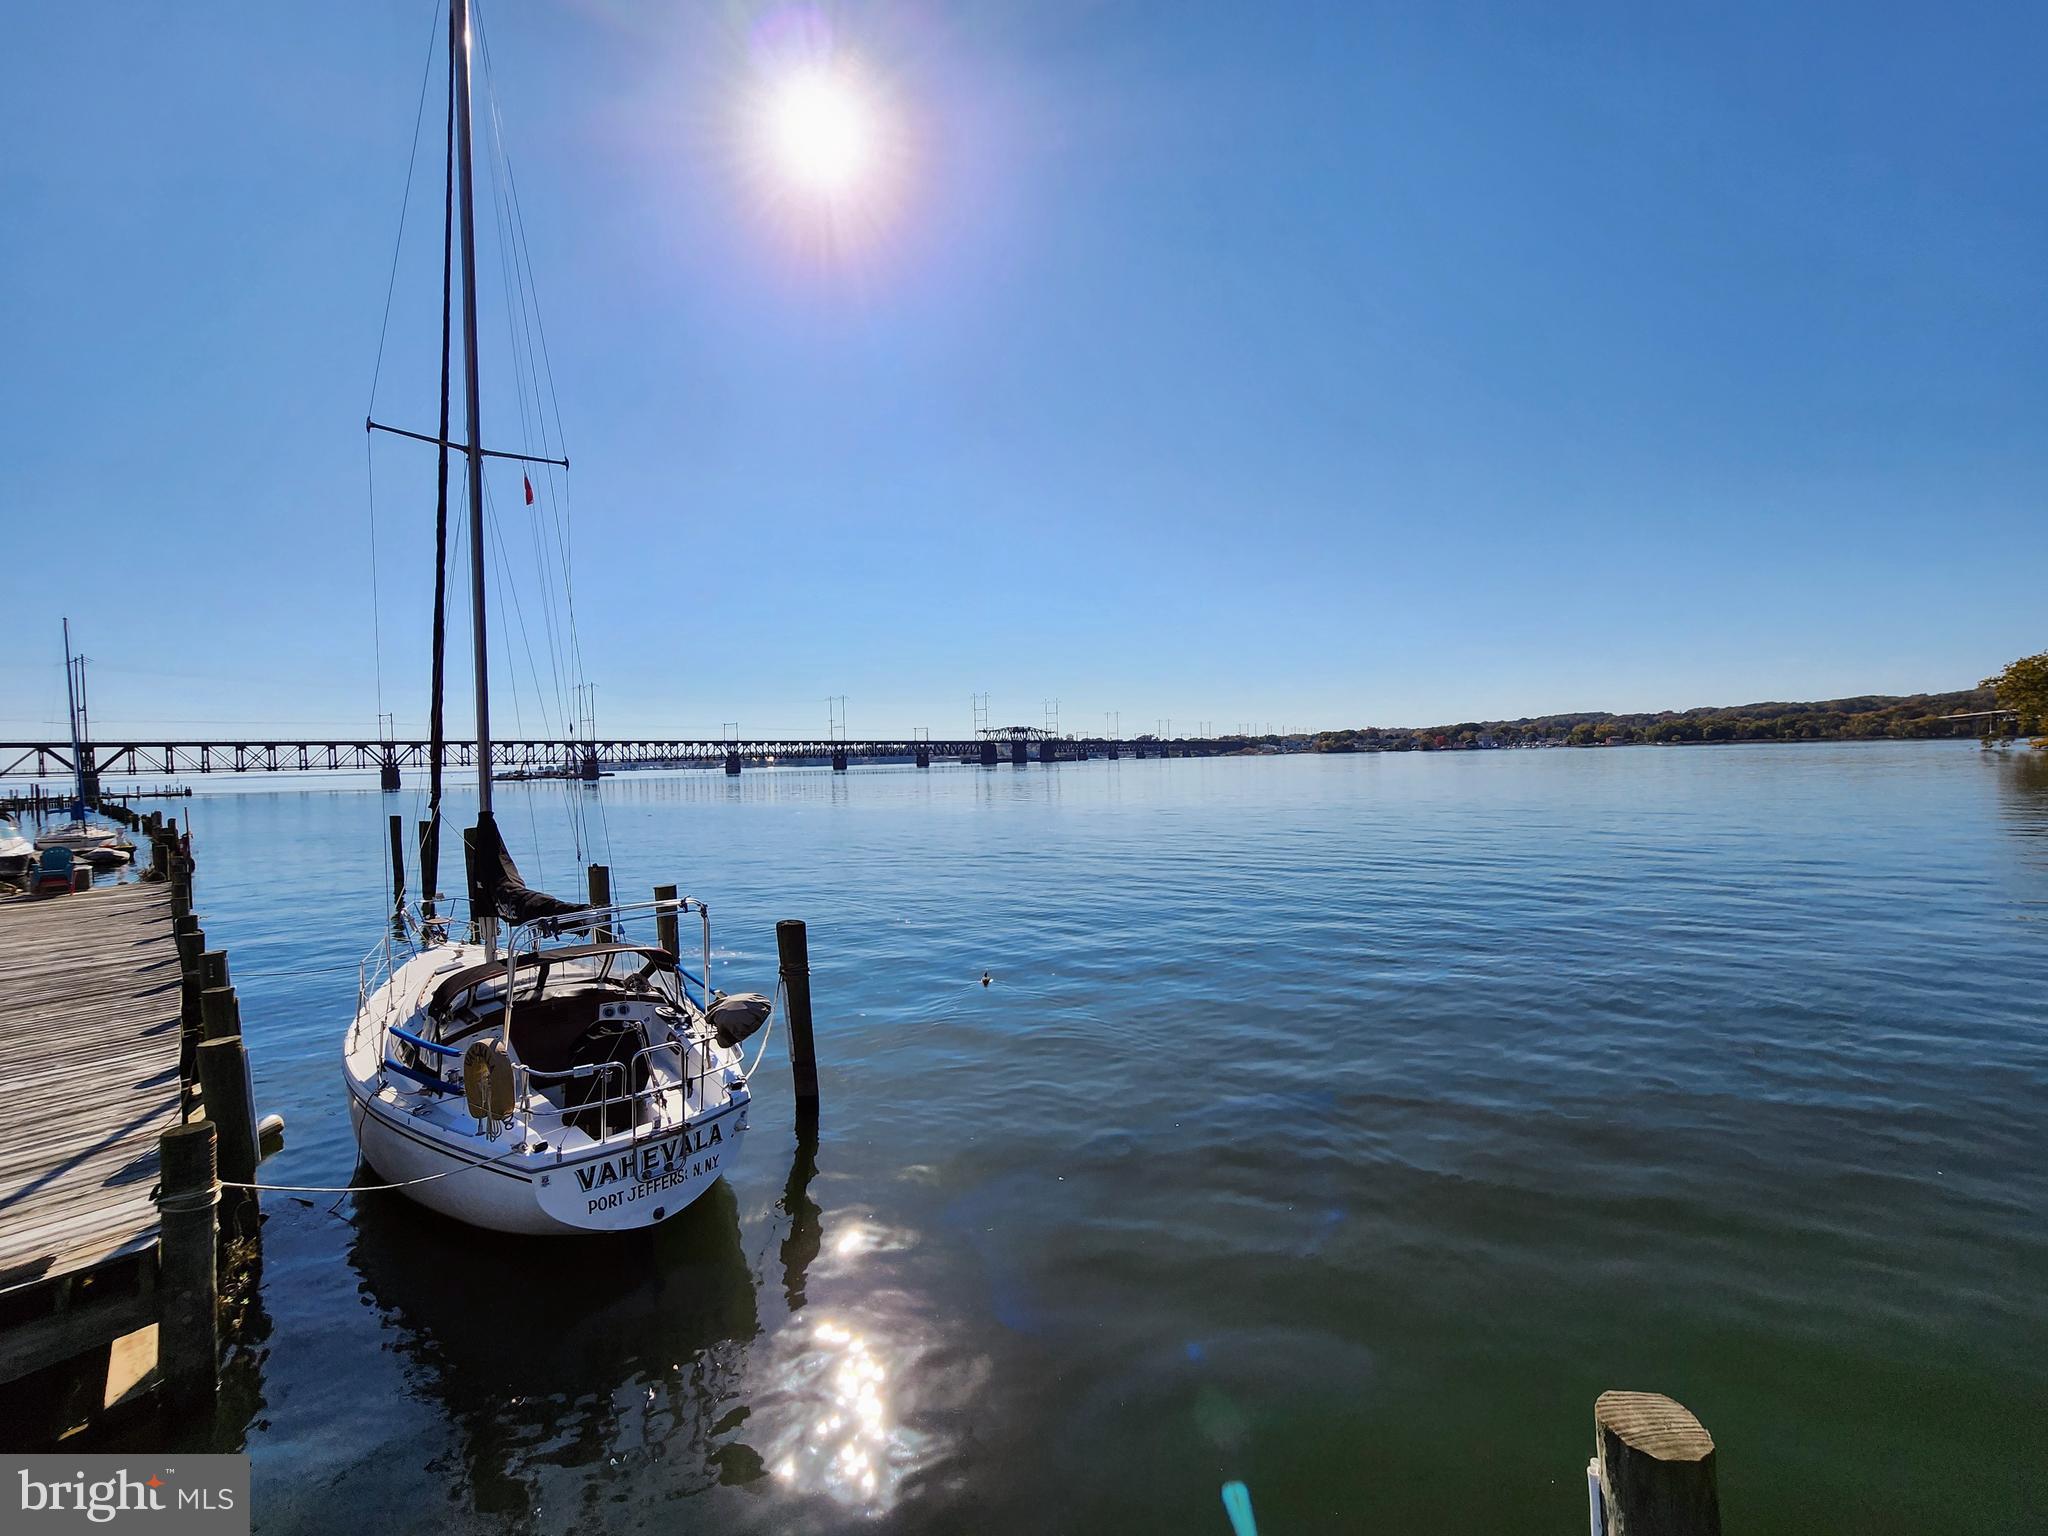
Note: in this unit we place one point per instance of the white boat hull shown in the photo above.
(78, 837)
(539, 1176)
(618, 1189)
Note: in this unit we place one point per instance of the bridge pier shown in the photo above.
(589, 771)
(838, 761)
(1111, 751)
(387, 772)
(1048, 750)
(988, 754)
(1019, 754)
(732, 765)
(924, 757)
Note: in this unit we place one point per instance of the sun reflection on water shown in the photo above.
(846, 1444)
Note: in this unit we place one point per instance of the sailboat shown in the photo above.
(95, 844)
(532, 1070)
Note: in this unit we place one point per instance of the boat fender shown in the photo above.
(736, 1017)
(487, 1081)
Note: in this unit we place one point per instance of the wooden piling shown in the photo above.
(397, 862)
(231, 1107)
(600, 879)
(1656, 1466)
(188, 1304)
(668, 931)
(220, 1013)
(213, 968)
(792, 948)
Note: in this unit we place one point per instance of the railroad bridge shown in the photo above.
(572, 758)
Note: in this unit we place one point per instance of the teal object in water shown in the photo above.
(1237, 1503)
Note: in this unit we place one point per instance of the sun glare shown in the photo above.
(823, 130)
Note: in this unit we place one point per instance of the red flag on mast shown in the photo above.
(529, 488)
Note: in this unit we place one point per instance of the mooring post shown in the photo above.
(188, 1340)
(793, 949)
(1656, 1467)
(668, 930)
(600, 877)
(220, 1013)
(213, 968)
(191, 942)
(231, 1106)
(397, 863)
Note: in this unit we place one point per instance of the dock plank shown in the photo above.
(89, 1072)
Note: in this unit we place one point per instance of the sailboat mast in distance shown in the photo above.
(71, 713)
(458, 57)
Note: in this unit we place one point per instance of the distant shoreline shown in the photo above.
(1961, 715)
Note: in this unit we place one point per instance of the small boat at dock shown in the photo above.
(16, 851)
(102, 847)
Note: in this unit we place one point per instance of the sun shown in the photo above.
(823, 130)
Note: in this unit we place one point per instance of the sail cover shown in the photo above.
(494, 883)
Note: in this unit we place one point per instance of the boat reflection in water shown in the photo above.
(599, 1378)
(601, 1354)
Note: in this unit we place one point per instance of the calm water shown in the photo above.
(1343, 1125)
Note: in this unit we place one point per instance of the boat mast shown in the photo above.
(71, 712)
(437, 734)
(458, 56)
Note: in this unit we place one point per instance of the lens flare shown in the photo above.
(827, 148)
(823, 130)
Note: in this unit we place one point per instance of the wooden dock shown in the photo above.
(89, 1059)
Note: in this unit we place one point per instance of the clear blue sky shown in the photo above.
(1341, 364)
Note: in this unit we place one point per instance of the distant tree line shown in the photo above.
(1870, 717)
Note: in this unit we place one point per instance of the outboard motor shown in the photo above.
(734, 1018)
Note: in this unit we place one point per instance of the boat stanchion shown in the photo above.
(188, 1338)
(668, 932)
(793, 950)
(600, 877)
(230, 1107)
(1654, 1468)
